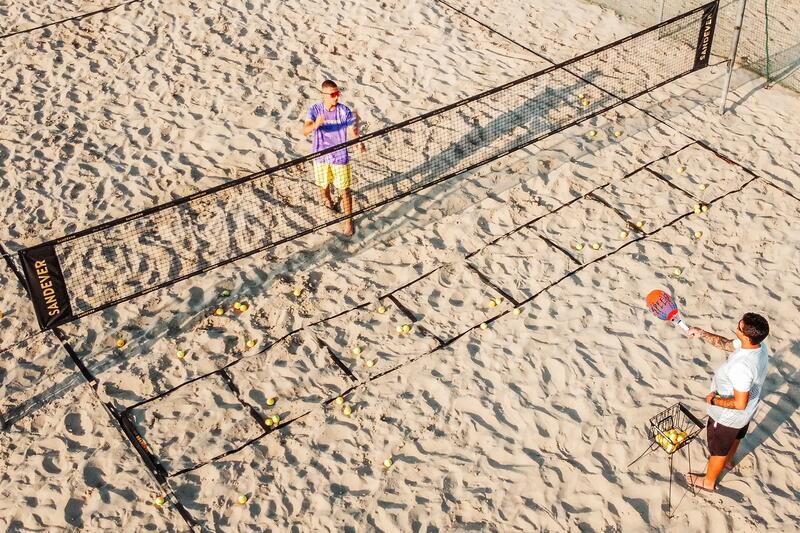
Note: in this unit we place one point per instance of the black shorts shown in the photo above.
(720, 438)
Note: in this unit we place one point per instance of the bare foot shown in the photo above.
(699, 481)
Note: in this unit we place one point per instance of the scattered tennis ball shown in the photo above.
(703, 186)
(370, 363)
(388, 462)
(225, 293)
(276, 419)
(347, 410)
(159, 501)
(298, 291)
(517, 311)
(243, 308)
(237, 305)
(339, 400)
(581, 96)
(180, 354)
(381, 309)
(406, 328)
(120, 343)
(399, 329)
(704, 208)
(592, 133)
(219, 311)
(677, 272)
(697, 210)
(268, 422)
(596, 246)
(492, 303)
(271, 401)
(579, 246)
(484, 325)
(640, 224)
(251, 343)
(243, 499)
(617, 133)
(698, 234)
(585, 102)
(681, 169)
(357, 350)
(623, 234)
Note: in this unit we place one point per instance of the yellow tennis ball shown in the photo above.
(298, 291)
(159, 501)
(357, 350)
(517, 311)
(703, 186)
(677, 272)
(704, 208)
(120, 343)
(617, 133)
(268, 422)
(388, 462)
(371, 363)
(243, 308)
(237, 305)
(225, 293)
(381, 309)
(251, 343)
(579, 246)
(484, 325)
(698, 234)
(271, 401)
(585, 102)
(219, 311)
(640, 224)
(596, 246)
(276, 419)
(581, 96)
(592, 133)
(623, 234)
(181, 354)
(492, 303)
(406, 328)
(243, 499)
(347, 410)
(681, 169)
(339, 400)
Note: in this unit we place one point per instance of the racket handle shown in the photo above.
(683, 325)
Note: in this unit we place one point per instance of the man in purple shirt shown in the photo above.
(331, 122)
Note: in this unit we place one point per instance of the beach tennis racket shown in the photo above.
(663, 306)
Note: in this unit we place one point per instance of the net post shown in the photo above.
(737, 30)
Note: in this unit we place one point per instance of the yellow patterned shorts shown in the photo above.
(325, 173)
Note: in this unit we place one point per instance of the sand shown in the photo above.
(528, 424)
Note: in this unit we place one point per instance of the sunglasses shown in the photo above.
(334, 94)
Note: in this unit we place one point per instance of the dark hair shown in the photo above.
(755, 327)
(329, 84)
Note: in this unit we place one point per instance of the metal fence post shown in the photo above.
(732, 56)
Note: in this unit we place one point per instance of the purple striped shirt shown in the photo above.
(332, 132)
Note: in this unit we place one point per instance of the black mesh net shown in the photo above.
(123, 259)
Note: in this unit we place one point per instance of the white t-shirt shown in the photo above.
(745, 370)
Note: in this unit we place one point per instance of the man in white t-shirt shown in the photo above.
(735, 393)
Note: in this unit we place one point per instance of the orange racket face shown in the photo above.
(661, 304)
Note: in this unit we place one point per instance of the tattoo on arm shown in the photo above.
(717, 341)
